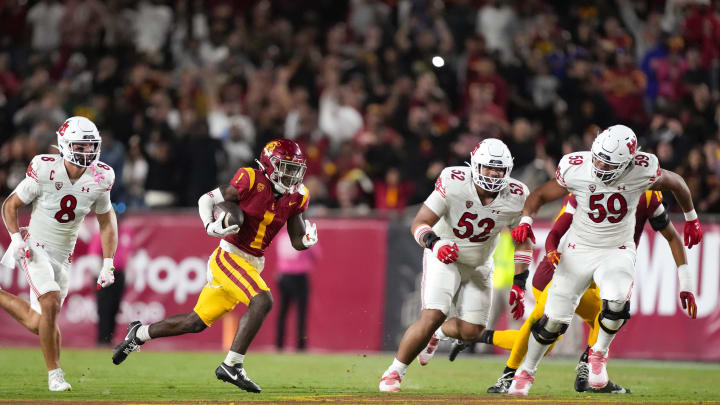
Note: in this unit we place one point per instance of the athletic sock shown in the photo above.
(143, 333)
(440, 334)
(487, 336)
(234, 358)
(398, 366)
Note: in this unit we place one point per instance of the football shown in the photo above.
(233, 213)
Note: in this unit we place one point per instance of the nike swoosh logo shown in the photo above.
(233, 376)
(292, 203)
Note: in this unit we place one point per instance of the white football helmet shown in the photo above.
(615, 146)
(494, 153)
(79, 141)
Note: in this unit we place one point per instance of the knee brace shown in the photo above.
(613, 315)
(547, 331)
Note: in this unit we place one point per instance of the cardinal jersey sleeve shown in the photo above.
(243, 181)
(437, 201)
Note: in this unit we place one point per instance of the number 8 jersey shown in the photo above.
(605, 215)
(59, 205)
(466, 221)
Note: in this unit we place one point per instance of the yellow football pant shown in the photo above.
(517, 340)
(234, 281)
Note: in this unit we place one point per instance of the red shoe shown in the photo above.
(429, 351)
(390, 382)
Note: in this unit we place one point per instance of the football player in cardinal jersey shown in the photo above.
(269, 197)
(62, 189)
(458, 226)
(650, 209)
(607, 182)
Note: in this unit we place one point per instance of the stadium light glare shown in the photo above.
(438, 61)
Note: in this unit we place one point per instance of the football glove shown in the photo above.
(693, 233)
(517, 305)
(523, 231)
(445, 251)
(553, 257)
(216, 229)
(311, 235)
(107, 274)
(16, 251)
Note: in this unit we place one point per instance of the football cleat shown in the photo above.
(130, 344)
(390, 381)
(598, 376)
(611, 388)
(581, 380)
(56, 381)
(429, 351)
(503, 384)
(521, 383)
(457, 347)
(236, 375)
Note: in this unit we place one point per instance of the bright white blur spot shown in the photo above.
(438, 61)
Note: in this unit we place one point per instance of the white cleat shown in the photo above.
(390, 381)
(597, 361)
(429, 351)
(521, 383)
(56, 381)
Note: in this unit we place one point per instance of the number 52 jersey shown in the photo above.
(605, 214)
(466, 221)
(59, 205)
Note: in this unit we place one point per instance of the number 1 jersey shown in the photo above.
(605, 214)
(466, 221)
(59, 205)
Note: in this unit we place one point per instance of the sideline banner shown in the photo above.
(167, 269)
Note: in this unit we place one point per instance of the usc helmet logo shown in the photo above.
(270, 147)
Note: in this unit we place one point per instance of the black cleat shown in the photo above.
(236, 375)
(129, 345)
(503, 384)
(581, 380)
(611, 388)
(457, 347)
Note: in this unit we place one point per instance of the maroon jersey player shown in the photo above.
(269, 197)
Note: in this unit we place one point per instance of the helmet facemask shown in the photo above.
(607, 176)
(286, 174)
(490, 183)
(83, 153)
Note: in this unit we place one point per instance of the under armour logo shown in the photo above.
(622, 247)
(621, 188)
(40, 245)
(85, 189)
(495, 211)
(571, 245)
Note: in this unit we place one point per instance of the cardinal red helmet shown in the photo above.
(283, 163)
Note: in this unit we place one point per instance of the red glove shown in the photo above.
(688, 302)
(445, 251)
(553, 257)
(693, 233)
(517, 305)
(522, 232)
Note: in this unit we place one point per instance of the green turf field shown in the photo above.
(182, 376)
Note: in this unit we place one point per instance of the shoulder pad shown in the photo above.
(244, 179)
(570, 162)
(103, 174)
(41, 165)
(452, 178)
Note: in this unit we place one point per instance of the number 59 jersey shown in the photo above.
(605, 214)
(58, 205)
(466, 221)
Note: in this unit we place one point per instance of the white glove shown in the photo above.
(311, 236)
(16, 251)
(107, 275)
(215, 228)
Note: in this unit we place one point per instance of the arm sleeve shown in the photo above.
(103, 204)
(562, 224)
(28, 190)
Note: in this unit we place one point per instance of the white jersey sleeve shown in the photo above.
(104, 176)
(437, 201)
(29, 188)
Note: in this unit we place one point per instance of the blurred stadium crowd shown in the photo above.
(381, 94)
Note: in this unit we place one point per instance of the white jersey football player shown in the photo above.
(458, 227)
(62, 189)
(607, 182)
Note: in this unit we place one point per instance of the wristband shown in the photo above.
(690, 215)
(526, 220)
(523, 256)
(684, 278)
(429, 239)
(520, 279)
(108, 263)
(420, 233)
